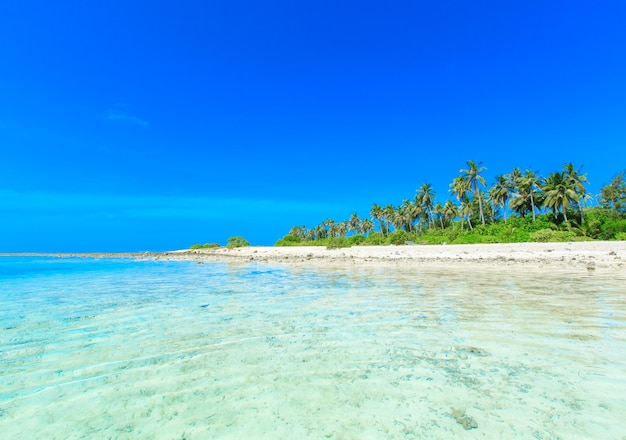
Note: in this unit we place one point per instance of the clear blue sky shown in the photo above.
(151, 125)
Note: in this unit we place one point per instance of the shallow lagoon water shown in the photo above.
(170, 350)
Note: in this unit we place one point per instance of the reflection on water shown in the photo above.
(124, 349)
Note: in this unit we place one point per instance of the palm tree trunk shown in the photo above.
(580, 208)
(532, 202)
(480, 202)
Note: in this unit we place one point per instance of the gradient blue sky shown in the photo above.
(152, 125)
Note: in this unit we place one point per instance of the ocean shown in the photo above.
(126, 349)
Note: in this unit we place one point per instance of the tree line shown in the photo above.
(519, 199)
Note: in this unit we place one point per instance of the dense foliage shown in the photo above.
(236, 242)
(232, 242)
(518, 207)
(204, 246)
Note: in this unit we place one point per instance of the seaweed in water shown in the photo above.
(463, 419)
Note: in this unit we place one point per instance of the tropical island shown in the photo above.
(518, 207)
(523, 218)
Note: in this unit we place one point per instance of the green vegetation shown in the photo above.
(233, 242)
(236, 242)
(204, 246)
(518, 207)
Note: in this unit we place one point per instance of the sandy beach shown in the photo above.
(588, 256)
(601, 255)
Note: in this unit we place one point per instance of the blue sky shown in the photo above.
(142, 125)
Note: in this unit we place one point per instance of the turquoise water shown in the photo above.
(171, 350)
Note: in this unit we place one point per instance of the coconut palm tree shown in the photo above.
(425, 197)
(310, 234)
(354, 223)
(341, 229)
(298, 231)
(367, 226)
(459, 187)
(466, 211)
(531, 182)
(415, 212)
(320, 231)
(450, 211)
(520, 201)
(577, 181)
(499, 193)
(438, 212)
(329, 226)
(475, 181)
(377, 214)
(389, 212)
(514, 179)
(559, 192)
(401, 217)
(407, 211)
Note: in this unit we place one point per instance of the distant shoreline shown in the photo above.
(589, 255)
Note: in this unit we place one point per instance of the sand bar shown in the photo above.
(587, 255)
(592, 255)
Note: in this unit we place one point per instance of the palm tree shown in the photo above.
(450, 211)
(531, 181)
(329, 225)
(298, 231)
(408, 214)
(499, 193)
(389, 212)
(425, 198)
(367, 226)
(354, 223)
(466, 211)
(402, 217)
(341, 228)
(514, 179)
(377, 214)
(520, 201)
(414, 211)
(577, 181)
(559, 191)
(438, 210)
(475, 180)
(320, 231)
(459, 187)
(310, 234)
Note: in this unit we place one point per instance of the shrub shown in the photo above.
(546, 235)
(337, 242)
(398, 237)
(474, 238)
(356, 240)
(204, 246)
(289, 240)
(375, 238)
(236, 242)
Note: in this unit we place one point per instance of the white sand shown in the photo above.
(594, 255)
